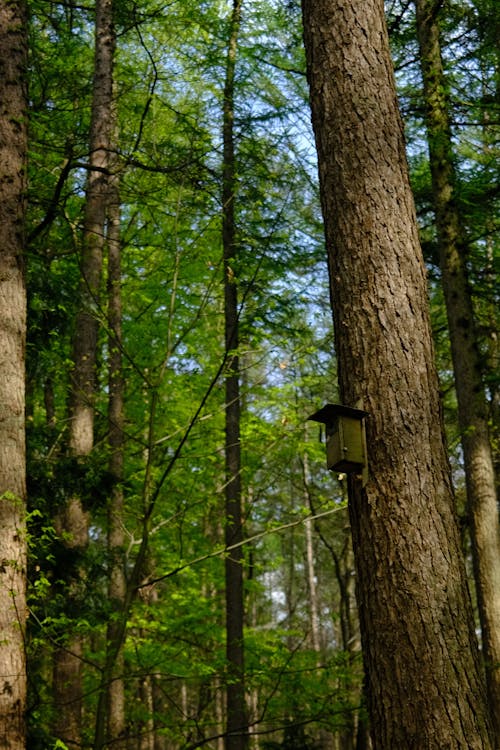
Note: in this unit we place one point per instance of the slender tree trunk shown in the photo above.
(490, 140)
(473, 412)
(147, 737)
(424, 682)
(13, 150)
(117, 585)
(83, 384)
(159, 707)
(236, 727)
(348, 626)
(73, 520)
(314, 622)
(149, 688)
(124, 589)
(111, 702)
(312, 589)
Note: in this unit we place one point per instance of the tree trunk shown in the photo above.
(236, 726)
(117, 584)
(13, 150)
(73, 521)
(314, 621)
(110, 722)
(473, 412)
(147, 736)
(312, 589)
(424, 681)
(348, 636)
(85, 340)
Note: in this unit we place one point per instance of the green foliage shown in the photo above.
(169, 83)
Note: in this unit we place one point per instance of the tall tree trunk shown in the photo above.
(159, 707)
(325, 737)
(73, 520)
(147, 736)
(13, 150)
(424, 681)
(110, 712)
(236, 727)
(117, 584)
(348, 637)
(83, 384)
(312, 589)
(473, 411)
(490, 30)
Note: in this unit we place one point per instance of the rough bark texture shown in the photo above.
(13, 149)
(473, 411)
(424, 681)
(110, 724)
(236, 727)
(85, 339)
(117, 585)
(73, 521)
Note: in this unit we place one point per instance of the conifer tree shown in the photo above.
(237, 730)
(424, 683)
(473, 411)
(72, 521)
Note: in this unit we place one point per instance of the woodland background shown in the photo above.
(127, 536)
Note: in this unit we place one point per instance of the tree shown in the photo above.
(237, 729)
(73, 519)
(13, 151)
(424, 682)
(473, 408)
(169, 87)
(111, 711)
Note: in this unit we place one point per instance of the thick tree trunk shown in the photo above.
(73, 521)
(13, 150)
(424, 681)
(473, 409)
(236, 727)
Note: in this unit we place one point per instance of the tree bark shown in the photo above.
(73, 521)
(312, 589)
(117, 584)
(473, 411)
(348, 630)
(13, 151)
(424, 682)
(236, 719)
(110, 725)
(314, 620)
(101, 133)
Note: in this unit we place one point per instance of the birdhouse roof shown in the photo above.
(329, 412)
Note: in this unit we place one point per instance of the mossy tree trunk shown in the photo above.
(473, 410)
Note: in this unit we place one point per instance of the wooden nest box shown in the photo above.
(345, 438)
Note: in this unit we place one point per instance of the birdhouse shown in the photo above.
(345, 438)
